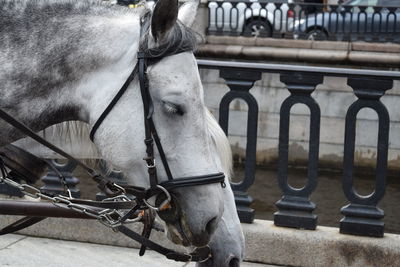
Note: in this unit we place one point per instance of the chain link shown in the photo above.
(109, 217)
(11, 183)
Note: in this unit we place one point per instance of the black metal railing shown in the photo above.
(362, 215)
(265, 18)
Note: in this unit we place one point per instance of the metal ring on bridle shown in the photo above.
(165, 202)
(152, 165)
(120, 188)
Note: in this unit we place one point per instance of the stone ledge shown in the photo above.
(322, 247)
(39, 252)
(261, 49)
(265, 243)
(243, 52)
(305, 44)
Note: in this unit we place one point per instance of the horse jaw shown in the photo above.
(228, 243)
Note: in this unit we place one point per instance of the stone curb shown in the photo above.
(305, 44)
(322, 247)
(265, 243)
(244, 48)
(39, 252)
(258, 53)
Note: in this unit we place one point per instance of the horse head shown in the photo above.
(179, 115)
(80, 54)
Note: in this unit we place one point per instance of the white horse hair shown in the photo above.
(76, 131)
(64, 60)
(221, 143)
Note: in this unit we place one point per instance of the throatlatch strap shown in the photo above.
(112, 103)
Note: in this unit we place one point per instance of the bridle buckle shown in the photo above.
(150, 162)
(164, 205)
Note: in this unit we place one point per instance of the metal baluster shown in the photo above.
(362, 30)
(376, 25)
(52, 181)
(290, 27)
(277, 13)
(391, 18)
(234, 24)
(248, 9)
(219, 28)
(362, 216)
(209, 31)
(240, 82)
(335, 13)
(295, 207)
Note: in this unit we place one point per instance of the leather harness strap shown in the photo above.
(106, 186)
(21, 224)
(113, 103)
(198, 255)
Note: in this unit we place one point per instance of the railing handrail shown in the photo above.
(295, 208)
(327, 71)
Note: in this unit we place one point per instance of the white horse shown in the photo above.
(65, 60)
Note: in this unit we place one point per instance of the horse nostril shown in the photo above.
(212, 225)
(234, 262)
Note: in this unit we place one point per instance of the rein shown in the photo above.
(120, 199)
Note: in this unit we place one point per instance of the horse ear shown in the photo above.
(187, 12)
(164, 18)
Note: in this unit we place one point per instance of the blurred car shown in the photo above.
(354, 19)
(252, 18)
(133, 3)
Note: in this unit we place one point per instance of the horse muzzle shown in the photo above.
(181, 228)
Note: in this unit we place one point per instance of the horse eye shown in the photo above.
(173, 108)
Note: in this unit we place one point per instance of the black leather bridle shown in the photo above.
(145, 58)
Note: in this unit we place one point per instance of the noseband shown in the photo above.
(146, 59)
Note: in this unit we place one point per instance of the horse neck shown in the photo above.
(96, 89)
(74, 84)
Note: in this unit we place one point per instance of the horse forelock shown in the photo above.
(180, 37)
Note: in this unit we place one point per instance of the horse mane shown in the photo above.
(68, 133)
(221, 143)
(75, 131)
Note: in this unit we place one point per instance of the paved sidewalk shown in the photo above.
(20, 250)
